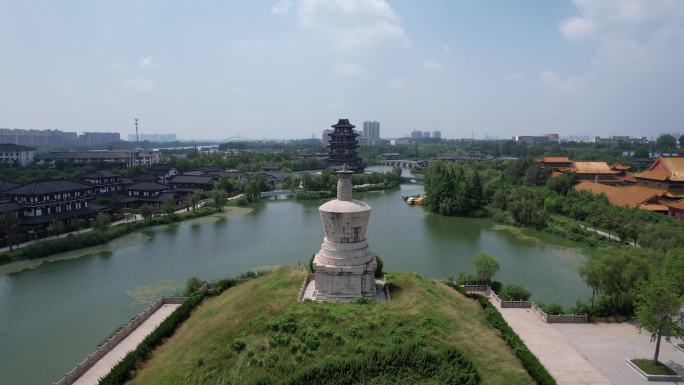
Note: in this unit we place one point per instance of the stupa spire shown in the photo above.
(344, 184)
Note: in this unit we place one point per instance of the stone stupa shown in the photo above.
(344, 268)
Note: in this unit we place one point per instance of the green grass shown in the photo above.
(256, 332)
(681, 346)
(649, 367)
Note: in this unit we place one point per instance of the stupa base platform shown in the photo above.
(310, 293)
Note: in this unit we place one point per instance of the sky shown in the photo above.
(290, 68)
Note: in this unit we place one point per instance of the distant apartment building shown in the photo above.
(371, 133)
(416, 134)
(155, 138)
(437, 134)
(96, 138)
(16, 155)
(37, 137)
(426, 134)
(120, 158)
(620, 139)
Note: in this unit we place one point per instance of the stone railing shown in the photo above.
(548, 318)
(91, 359)
(302, 289)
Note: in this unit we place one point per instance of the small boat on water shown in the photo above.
(414, 199)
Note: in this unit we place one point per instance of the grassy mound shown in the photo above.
(257, 333)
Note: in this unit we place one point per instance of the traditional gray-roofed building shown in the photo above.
(42, 202)
(7, 185)
(163, 172)
(14, 154)
(151, 193)
(106, 182)
(125, 158)
(186, 184)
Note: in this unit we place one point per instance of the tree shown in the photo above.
(56, 227)
(563, 183)
(169, 206)
(219, 197)
(613, 273)
(10, 224)
(658, 307)
(146, 211)
(666, 142)
(681, 141)
(193, 200)
(102, 222)
(512, 292)
(485, 267)
(227, 184)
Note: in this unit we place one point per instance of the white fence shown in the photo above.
(548, 318)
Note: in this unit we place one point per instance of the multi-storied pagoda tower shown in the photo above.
(344, 147)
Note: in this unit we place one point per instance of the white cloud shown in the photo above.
(140, 84)
(352, 25)
(577, 28)
(347, 68)
(282, 7)
(431, 65)
(147, 62)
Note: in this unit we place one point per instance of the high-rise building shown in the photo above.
(37, 137)
(437, 134)
(94, 138)
(416, 134)
(344, 147)
(426, 134)
(371, 133)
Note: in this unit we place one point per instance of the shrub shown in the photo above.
(238, 344)
(512, 292)
(192, 285)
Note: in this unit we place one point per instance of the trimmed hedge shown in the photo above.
(518, 347)
(399, 365)
(124, 370)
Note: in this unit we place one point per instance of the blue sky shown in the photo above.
(290, 68)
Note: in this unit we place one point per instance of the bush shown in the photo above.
(514, 293)
(238, 344)
(401, 365)
(551, 309)
(191, 286)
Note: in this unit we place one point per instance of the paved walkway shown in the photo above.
(106, 363)
(608, 344)
(559, 357)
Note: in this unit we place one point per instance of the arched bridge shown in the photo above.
(403, 163)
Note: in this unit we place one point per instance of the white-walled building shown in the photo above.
(14, 154)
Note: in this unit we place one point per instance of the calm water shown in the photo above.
(53, 315)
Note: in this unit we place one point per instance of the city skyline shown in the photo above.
(287, 69)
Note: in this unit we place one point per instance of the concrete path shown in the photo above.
(106, 363)
(559, 357)
(608, 344)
